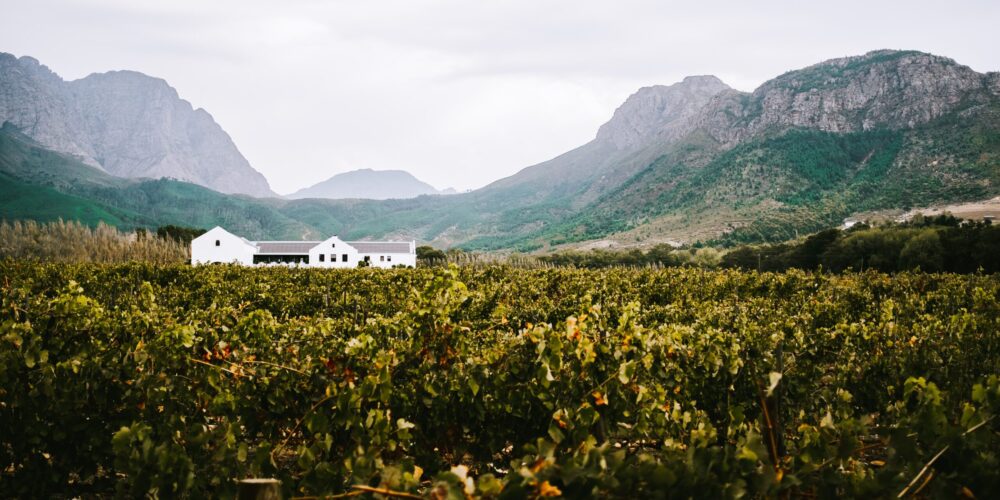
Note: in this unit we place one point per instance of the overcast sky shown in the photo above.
(458, 92)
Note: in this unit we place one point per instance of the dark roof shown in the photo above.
(285, 247)
(303, 247)
(380, 246)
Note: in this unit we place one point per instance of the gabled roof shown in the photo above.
(303, 247)
(285, 247)
(380, 246)
(217, 231)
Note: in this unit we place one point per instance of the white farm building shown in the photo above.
(219, 245)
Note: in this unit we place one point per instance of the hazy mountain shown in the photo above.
(368, 184)
(886, 129)
(40, 184)
(881, 89)
(697, 160)
(126, 123)
(687, 162)
(640, 129)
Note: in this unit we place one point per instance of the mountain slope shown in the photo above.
(881, 89)
(40, 184)
(641, 129)
(694, 161)
(367, 184)
(516, 208)
(126, 123)
(800, 152)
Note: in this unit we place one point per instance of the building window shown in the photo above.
(333, 245)
(321, 257)
(343, 258)
(218, 243)
(389, 258)
(381, 258)
(368, 258)
(333, 257)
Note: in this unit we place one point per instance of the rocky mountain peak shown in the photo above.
(654, 111)
(881, 89)
(125, 122)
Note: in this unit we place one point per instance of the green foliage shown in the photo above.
(179, 233)
(170, 381)
(928, 244)
(659, 255)
(427, 254)
(22, 201)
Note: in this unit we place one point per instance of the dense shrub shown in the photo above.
(71, 241)
(496, 382)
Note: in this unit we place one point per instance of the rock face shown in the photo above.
(368, 184)
(35, 100)
(659, 113)
(127, 123)
(881, 89)
(647, 123)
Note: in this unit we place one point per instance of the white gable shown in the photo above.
(219, 245)
(333, 252)
(335, 245)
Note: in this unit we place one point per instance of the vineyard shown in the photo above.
(494, 382)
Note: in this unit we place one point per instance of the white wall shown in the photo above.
(336, 247)
(231, 248)
(396, 260)
(405, 259)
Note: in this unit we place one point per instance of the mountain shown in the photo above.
(125, 123)
(888, 129)
(646, 123)
(367, 184)
(40, 184)
(881, 89)
(689, 162)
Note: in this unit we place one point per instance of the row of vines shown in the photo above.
(141, 379)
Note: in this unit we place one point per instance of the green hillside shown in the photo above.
(800, 180)
(23, 201)
(39, 184)
(741, 168)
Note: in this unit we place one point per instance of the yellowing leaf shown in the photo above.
(599, 399)
(547, 490)
(774, 378)
(827, 421)
(461, 471)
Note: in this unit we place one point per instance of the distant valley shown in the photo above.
(688, 162)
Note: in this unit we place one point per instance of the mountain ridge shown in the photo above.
(699, 161)
(366, 183)
(126, 123)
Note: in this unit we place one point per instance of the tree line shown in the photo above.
(934, 244)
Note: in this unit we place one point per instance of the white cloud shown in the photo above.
(459, 93)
